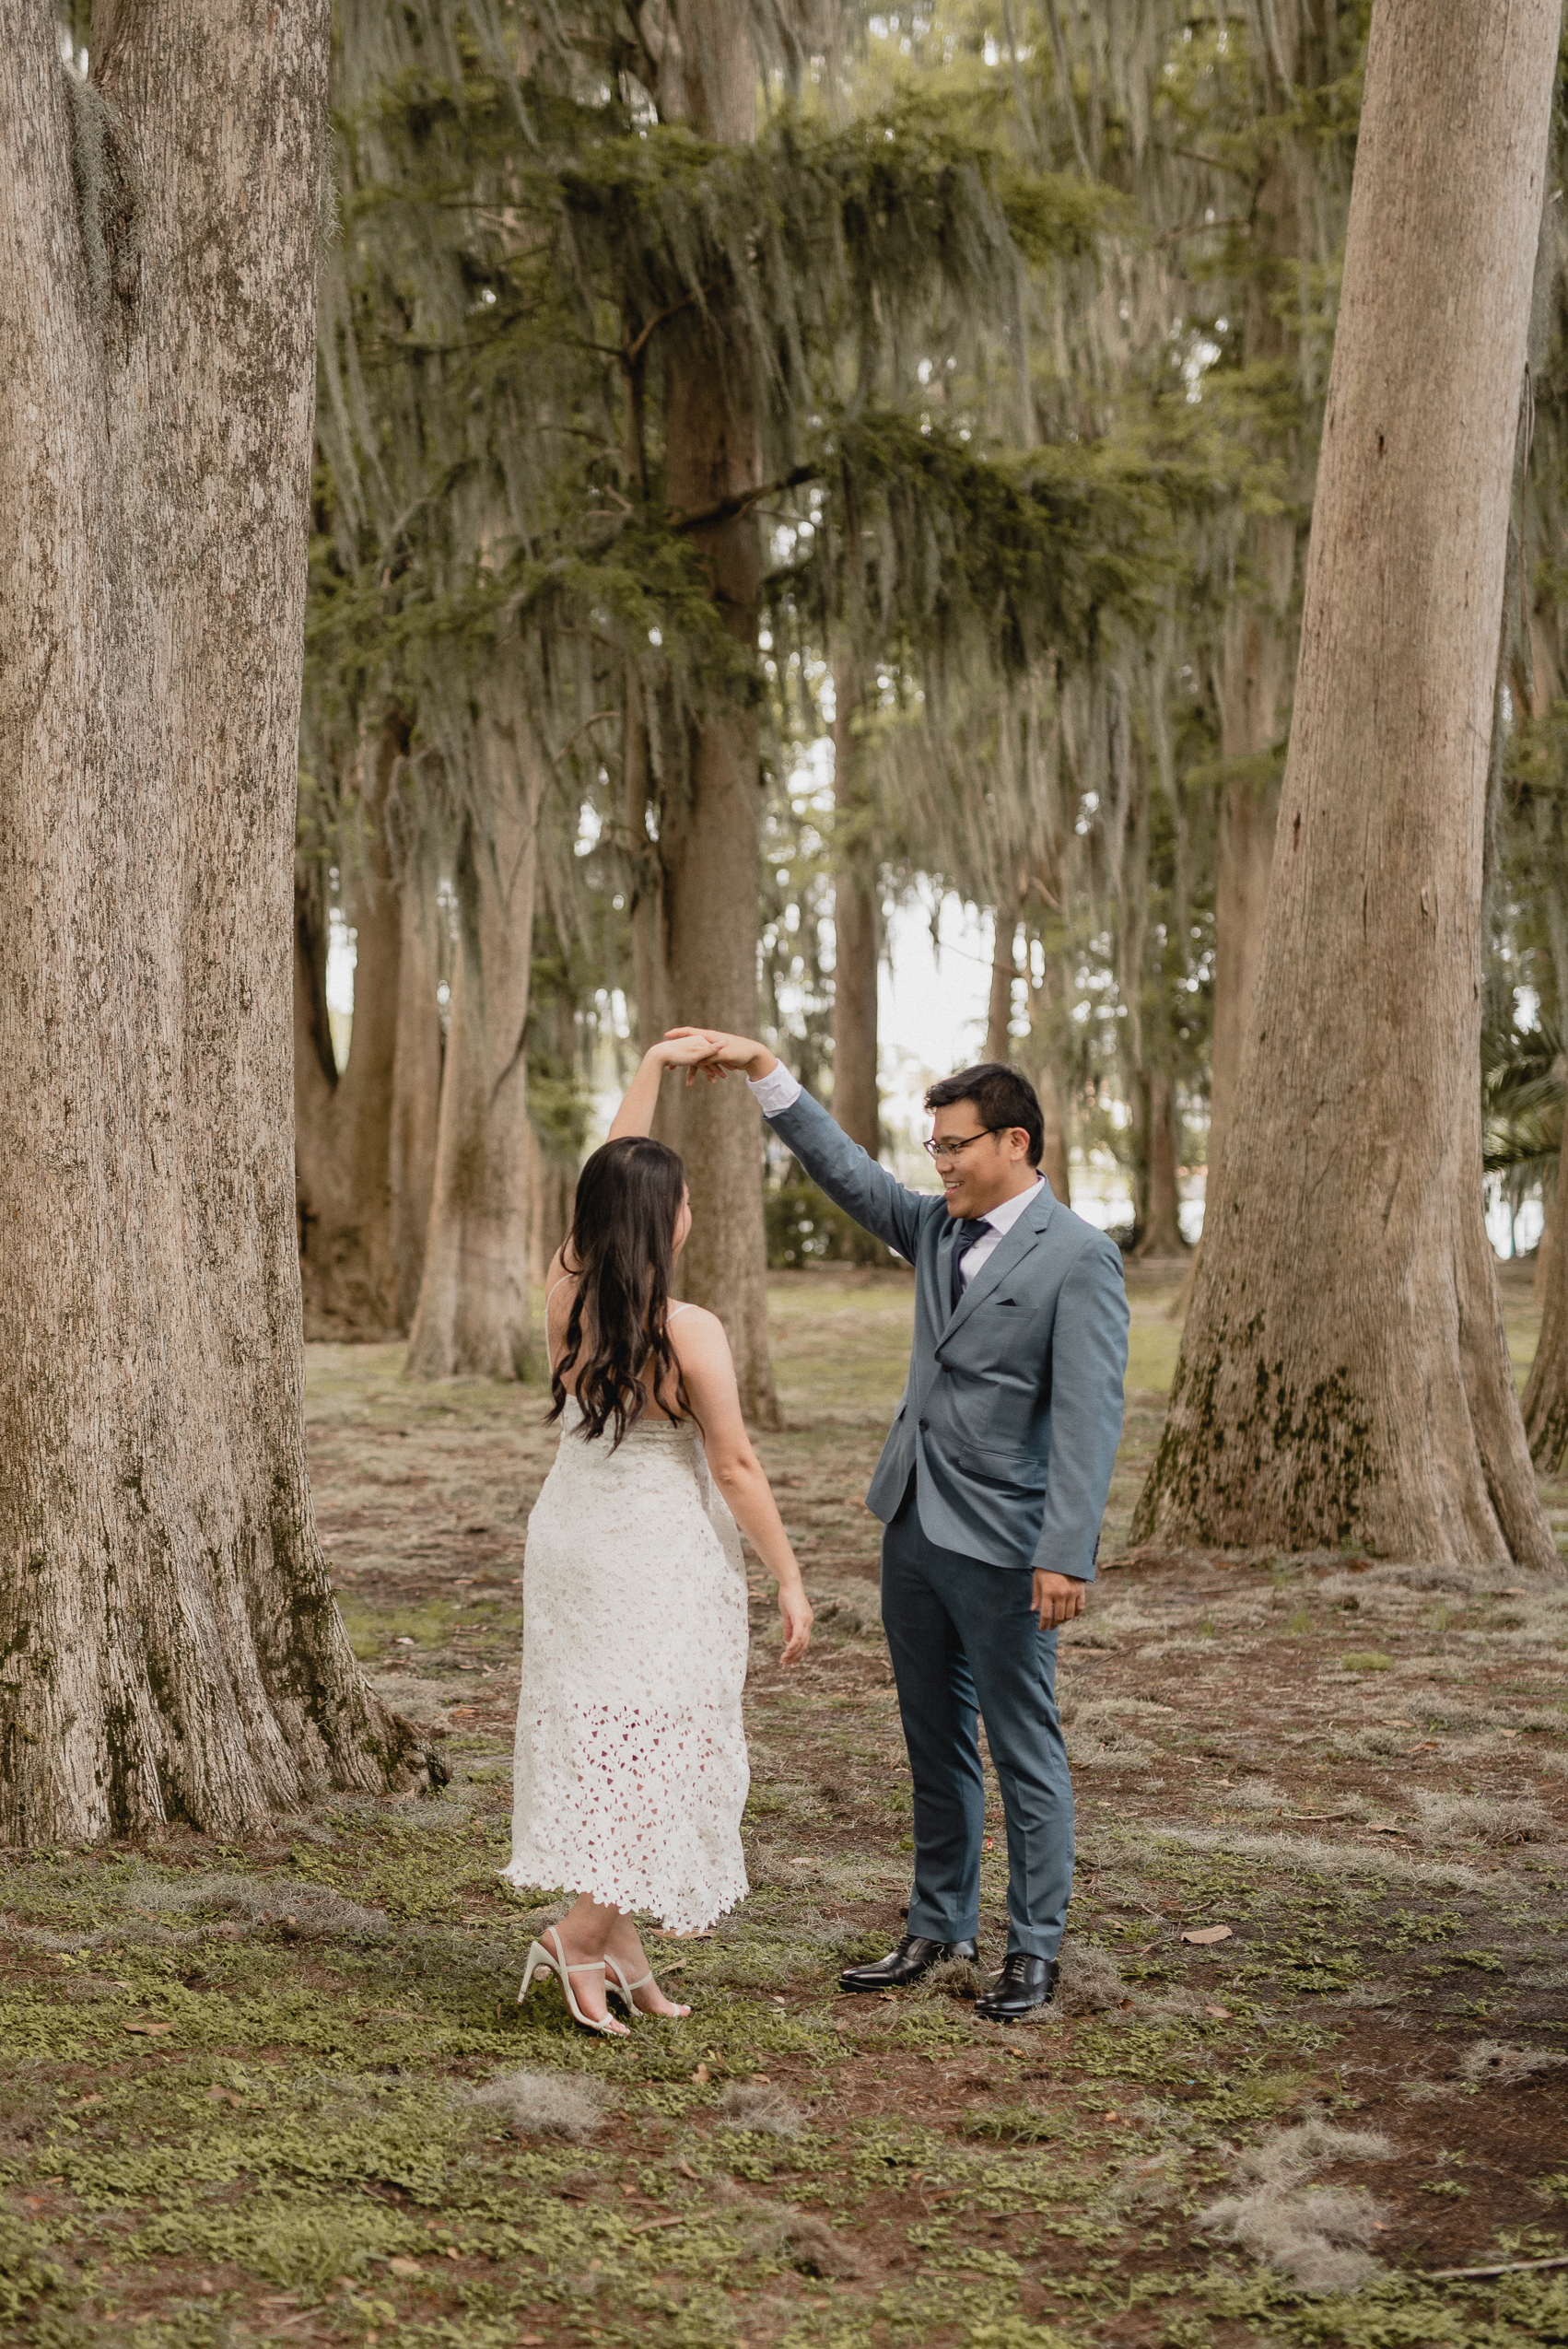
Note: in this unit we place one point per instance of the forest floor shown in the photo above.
(1312, 2047)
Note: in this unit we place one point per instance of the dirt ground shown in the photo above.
(1312, 2047)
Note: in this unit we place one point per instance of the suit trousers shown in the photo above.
(964, 1639)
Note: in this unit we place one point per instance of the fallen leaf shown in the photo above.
(686, 2169)
(1513, 1589)
(1220, 2014)
(452, 2252)
(1385, 1830)
(225, 2095)
(405, 2267)
(147, 2030)
(1205, 1937)
(1112, 2116)
(701, 2077)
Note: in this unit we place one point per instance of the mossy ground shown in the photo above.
(237, 2099)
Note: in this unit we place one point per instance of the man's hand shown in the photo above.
(1056, 1598)
(726, 1052)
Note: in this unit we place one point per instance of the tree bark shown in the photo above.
(711, 834)
(415, 1095)
(1253, 682)
(472, 1318)
(1058, 1141)
(1344, 1376)
(1545, 1403)
(349, 1261)
(315, 1063)
(1161, 1228)
(171, 1646)
(856, 1103)
(1004, 971)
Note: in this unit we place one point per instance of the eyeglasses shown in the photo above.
(952, 1144)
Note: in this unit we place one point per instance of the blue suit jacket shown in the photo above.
(1012, 1413)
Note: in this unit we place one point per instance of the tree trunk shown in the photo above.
(857, 1104)
(1047, 1025)
(349, 1267)
(1162, 1229)
(315, 1066)
(711, 841)
(472, 1318)
(1004, 971)
(171, 1646)
(1254, 681)
(1344, 1376)
(1053, 1160)
(1546, 1393)
(417, 1095)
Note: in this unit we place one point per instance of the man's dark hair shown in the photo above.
(1002, 1097)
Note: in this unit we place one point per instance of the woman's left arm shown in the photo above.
(635, 1115)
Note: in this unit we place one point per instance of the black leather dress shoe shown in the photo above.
(1023, 1985)
(915, 1955)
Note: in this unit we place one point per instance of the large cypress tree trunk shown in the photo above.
(315, 1063)
(472, 1318)
(1254, 681)
(415, 1094)
(856, 950)
(1546, 1394)
(349, 1266)
(1004, 970)
(1344, 1376)
(171, 1646)
(711, 841)
(1162, 1221)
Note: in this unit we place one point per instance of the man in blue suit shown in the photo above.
(990, 1488)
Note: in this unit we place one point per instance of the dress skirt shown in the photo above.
(631, 1773)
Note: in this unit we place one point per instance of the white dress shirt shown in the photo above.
(779, 1091)
(999, 1222)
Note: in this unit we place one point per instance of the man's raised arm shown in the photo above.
(850, 1176)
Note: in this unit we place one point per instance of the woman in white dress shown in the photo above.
(630, 1774)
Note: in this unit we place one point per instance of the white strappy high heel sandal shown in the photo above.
(626, 1992)
(546, 1961)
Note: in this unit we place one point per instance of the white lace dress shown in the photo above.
(630, 1774)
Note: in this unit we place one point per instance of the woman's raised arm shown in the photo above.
(635, 1116)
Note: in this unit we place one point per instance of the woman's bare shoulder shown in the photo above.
(694, 1327)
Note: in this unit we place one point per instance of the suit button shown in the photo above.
(925, 1427)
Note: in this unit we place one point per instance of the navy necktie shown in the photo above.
(963, 1239)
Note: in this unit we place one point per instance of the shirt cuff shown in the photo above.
(777, 1092)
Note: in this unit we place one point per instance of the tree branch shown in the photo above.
(729, 508)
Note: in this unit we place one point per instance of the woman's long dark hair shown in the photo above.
(620, 1250)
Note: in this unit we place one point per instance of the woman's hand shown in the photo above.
(796, 1609)
(687, 1048)
(723, 1052)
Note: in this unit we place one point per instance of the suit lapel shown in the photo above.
(1008, 1252)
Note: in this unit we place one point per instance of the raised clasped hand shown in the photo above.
(687, 1048)
(713, 1052)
